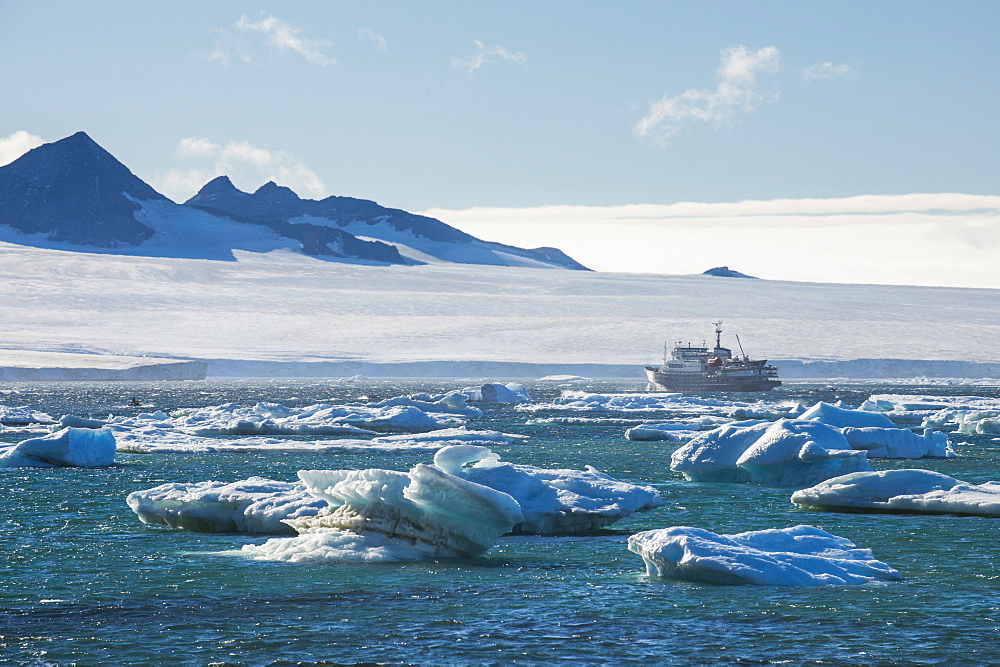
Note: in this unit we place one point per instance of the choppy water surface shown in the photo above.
(82, 580)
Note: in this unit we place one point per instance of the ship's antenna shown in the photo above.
(664, 353)
(718, 334)
(741, 346)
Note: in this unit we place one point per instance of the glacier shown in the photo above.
(796, 556)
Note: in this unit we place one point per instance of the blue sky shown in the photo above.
(455, 105)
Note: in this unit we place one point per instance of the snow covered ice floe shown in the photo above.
(668, 432)
(70, 447)
(797, 556)
(153, 440)
(494, 392)
(783, 453)
(22, 416)
(320, 419)
(255, 505)
(582, 401)
(393, 516)
(905, 490)
(554, 501)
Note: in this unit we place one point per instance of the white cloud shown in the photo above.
(737, 91)
(378, 41)
(487, 54)
(17, 144)
(248, 166)
(917, 239)
(827, 70)
(278, 35)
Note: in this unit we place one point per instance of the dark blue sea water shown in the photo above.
(83, 581)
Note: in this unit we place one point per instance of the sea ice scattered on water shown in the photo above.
(904, 490)
(797, 556)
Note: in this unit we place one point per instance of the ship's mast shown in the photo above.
(718, 334)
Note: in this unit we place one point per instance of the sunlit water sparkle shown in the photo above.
(82, 580)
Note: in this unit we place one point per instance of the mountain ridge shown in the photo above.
(74, 193)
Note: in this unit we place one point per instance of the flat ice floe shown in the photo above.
(254, 505)
(153, 440)
(70, 447)
(910, 491)
(387, 515)
(582, 401)
(22, 416)
(797, 556)
(554, 501)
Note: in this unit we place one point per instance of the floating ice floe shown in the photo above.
(833, 415)
(153, 440)
(797, 556)
(767, 411)
(910, 491)
(493, 392)
(321, 419)
(915, 408)
(581, 401)
(554, 501)
(22, 416)
(783, 453)
(967, 422)
(70, 447)
(254, 505)
(451, 403)
(899, 443)
(393, 516)
(669, 432)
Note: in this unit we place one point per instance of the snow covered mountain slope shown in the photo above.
(420, 238)
(279, 313)
(74, 195)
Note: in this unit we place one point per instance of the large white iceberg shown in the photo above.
(785, 453)
(797, 556)
(494, 392)
(837, 416)
(254, 505)
(898, 443)
(906, 490)
(70, 447)
(388, 515)
(554, 501)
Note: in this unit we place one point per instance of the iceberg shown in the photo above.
(70, 447)
(783, 453)
(670, 432)
(255, 505)
(454, 402)
(320, 419)
(898, 443)
(155, 440)
(904, 490)
(554, 501)
(797, 556)
(833, 415)
(493, 392)
(386, 515)
(22, 416)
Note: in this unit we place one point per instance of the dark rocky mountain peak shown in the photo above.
(726, 272)
(74, 191)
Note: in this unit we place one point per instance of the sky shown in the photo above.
(549, 123)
